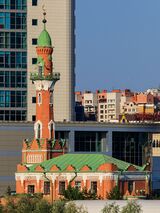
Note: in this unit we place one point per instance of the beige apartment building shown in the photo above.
(109, 109)
(60, 25)
(89, 102)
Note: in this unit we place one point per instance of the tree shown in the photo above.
(111, 208)
(132, 207)
(8, 191)
(114, 194)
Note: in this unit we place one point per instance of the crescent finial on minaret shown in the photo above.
(44, 15)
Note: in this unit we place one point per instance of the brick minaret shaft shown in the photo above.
(41, 148)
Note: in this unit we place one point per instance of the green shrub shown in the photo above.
(132, 207)
(58, 206)
(24, 205)
(71, 207)
(114, 194)
(111, 208)
(1, 209)
(72, 193)
(88, 195)
(42, 206)
(10, 206)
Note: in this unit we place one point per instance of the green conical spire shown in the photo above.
(44, 39)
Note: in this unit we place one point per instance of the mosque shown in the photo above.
(46, 166)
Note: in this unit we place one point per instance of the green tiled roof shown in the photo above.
(93, 161)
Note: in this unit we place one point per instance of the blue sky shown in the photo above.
(117, 44)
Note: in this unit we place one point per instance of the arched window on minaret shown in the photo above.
(51, 133)
(38, 130)
(39, 98)
(51, 129)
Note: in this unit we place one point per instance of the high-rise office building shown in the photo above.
(60, 24)
(13, 60)
(20, 25)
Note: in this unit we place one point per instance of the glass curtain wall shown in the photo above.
(129, 146)
(13, 60)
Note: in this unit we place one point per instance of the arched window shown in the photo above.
(51, 129)
(38, 131)
(39, 98)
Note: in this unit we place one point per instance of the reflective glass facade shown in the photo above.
(13, 60)
(129, 146)
(89, 141)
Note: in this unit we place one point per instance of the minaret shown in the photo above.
(44, 80)
(43, 145)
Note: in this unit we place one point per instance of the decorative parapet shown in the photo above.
(40, 142)
(28, 143)
(40, 77)
(52, 142)
(61, 142)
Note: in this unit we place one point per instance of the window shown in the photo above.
(61, 187)
(94, 187)
(130, 186)
(38, 131)
(13, 115)
(46, 188)
(18, 4)
(33, 100)
(33, 117)
(39, 98)
(88, 141)
(34, 22)
(34, 60)
(34, 41)
(13, 59)
(13, 98)
(31, 189)
(34, 2)
(78, 185)
(51, 131)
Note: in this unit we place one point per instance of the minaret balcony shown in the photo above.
(40, 77)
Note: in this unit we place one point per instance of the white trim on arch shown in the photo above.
(37, 128)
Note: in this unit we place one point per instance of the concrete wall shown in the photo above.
(60, 25)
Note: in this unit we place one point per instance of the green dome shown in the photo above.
(44, 39)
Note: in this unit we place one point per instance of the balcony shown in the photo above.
(40, 77)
